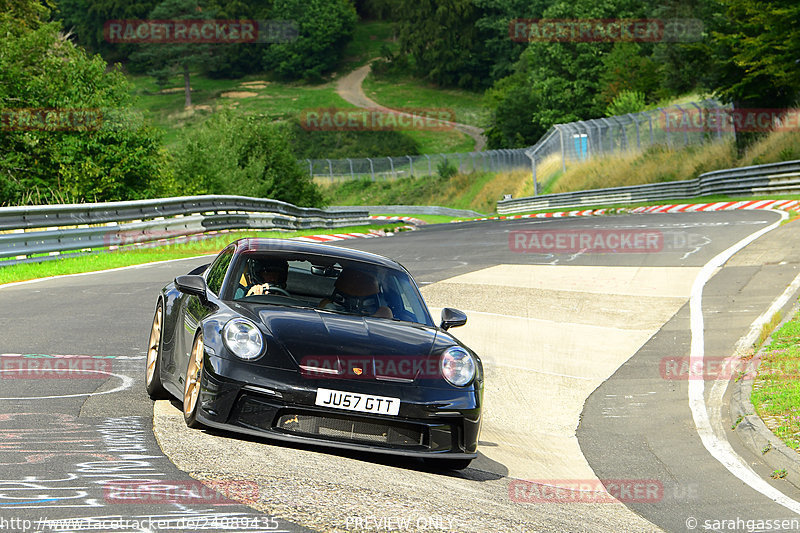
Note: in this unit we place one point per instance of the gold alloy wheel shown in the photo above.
(154, 346)
(191, 390)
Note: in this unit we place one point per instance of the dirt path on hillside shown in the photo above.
(350, 88)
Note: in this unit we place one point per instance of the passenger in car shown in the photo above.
(356, 291)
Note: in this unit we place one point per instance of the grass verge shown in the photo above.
(661, 163)
(104, 260)
(399, 92)
(477, 191)
(776, 389)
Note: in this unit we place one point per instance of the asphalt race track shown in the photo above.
(582, 431)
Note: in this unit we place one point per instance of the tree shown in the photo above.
(86, 19)
(68, 129)
(629, 67)
(247, 155)
(462, 43)
(324, 29)
(234, 60)
(165, 60)
(554, 82)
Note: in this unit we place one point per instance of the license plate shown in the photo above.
(352, 401)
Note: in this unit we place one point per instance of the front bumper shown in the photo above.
(434, 422)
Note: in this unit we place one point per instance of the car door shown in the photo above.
(194, 310)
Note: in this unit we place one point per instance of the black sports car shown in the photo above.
(317, 344)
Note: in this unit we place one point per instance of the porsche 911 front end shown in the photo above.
(317, 344)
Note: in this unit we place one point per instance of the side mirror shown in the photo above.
(452, 318)
(194, 285)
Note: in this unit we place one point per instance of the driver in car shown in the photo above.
(265, 274)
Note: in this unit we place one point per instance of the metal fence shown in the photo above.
(677, 125)
(382, 168)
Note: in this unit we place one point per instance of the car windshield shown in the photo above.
(328, 284)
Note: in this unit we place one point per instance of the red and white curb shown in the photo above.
(786, 205)
(411, 220)
(557, 214)
(338, 237)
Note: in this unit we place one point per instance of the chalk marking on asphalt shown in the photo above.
(127, 383)
(716, 444)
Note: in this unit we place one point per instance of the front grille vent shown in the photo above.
(351, 430)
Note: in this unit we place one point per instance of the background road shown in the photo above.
(550, 328)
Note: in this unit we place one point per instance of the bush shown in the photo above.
(446, 169)
(116, 156)
(243, 155)
(626, 102)
(355, 144)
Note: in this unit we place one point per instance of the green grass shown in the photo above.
(404, 92)
(131, 256)
(274, 101)
(441, 142)
(477, 191)
(776, 389)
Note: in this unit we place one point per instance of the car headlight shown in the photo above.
(243, 338)
(458, 366)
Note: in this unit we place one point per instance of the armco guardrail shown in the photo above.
(30, 230)
(410, 210)
(773, 178)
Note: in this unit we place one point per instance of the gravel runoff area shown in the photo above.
(330, 491)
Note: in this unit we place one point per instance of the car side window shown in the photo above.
(216, 274)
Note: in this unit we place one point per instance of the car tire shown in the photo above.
(449, 464)
(194, 378)
(152, 379)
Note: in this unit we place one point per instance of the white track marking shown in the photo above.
(127, 383)
(715, 442)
